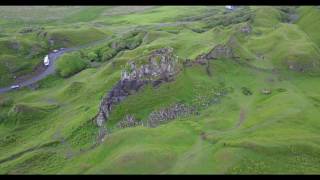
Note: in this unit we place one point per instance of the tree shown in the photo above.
(92, 56)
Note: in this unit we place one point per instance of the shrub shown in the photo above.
(92, 56)
(9, 139)
(126, 42)
(3, 118)
(246, 91)
(70, 64)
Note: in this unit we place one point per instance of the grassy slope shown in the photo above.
(309, 22)
(278, 134)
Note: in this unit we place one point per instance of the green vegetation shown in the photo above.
(309, 22)
(239, 129)
(105, 52)
(69, 64)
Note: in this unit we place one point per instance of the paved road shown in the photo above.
(53, 56)
(49, 70)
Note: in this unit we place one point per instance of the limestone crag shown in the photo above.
(157, 117)
(118, 93)
(161, 67)
(170, 113)
(129, 121)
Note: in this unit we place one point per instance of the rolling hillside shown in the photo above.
(249, 76)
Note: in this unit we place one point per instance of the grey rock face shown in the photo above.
(170, 113)
(155, 72)
(161, 65)
(160, 116)
(220, 51)
(129, 121)
(119, 92)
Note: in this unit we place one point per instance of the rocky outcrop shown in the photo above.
(219, 51)
(246, 29)
(299, 67)
(179, 110)
(157, 117)
(170, 113)
(129, 121)
(118, 93)
(161, 67)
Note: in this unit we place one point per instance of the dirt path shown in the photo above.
(58, 137)
(242, 117)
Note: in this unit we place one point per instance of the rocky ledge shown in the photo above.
(161, 67)
(160, 116)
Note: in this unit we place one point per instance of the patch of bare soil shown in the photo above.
(242, 117)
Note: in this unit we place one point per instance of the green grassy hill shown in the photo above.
(50, 129)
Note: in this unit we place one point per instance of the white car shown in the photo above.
(55, 51)
(15, 86)
(230, 7)
(46, 61)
